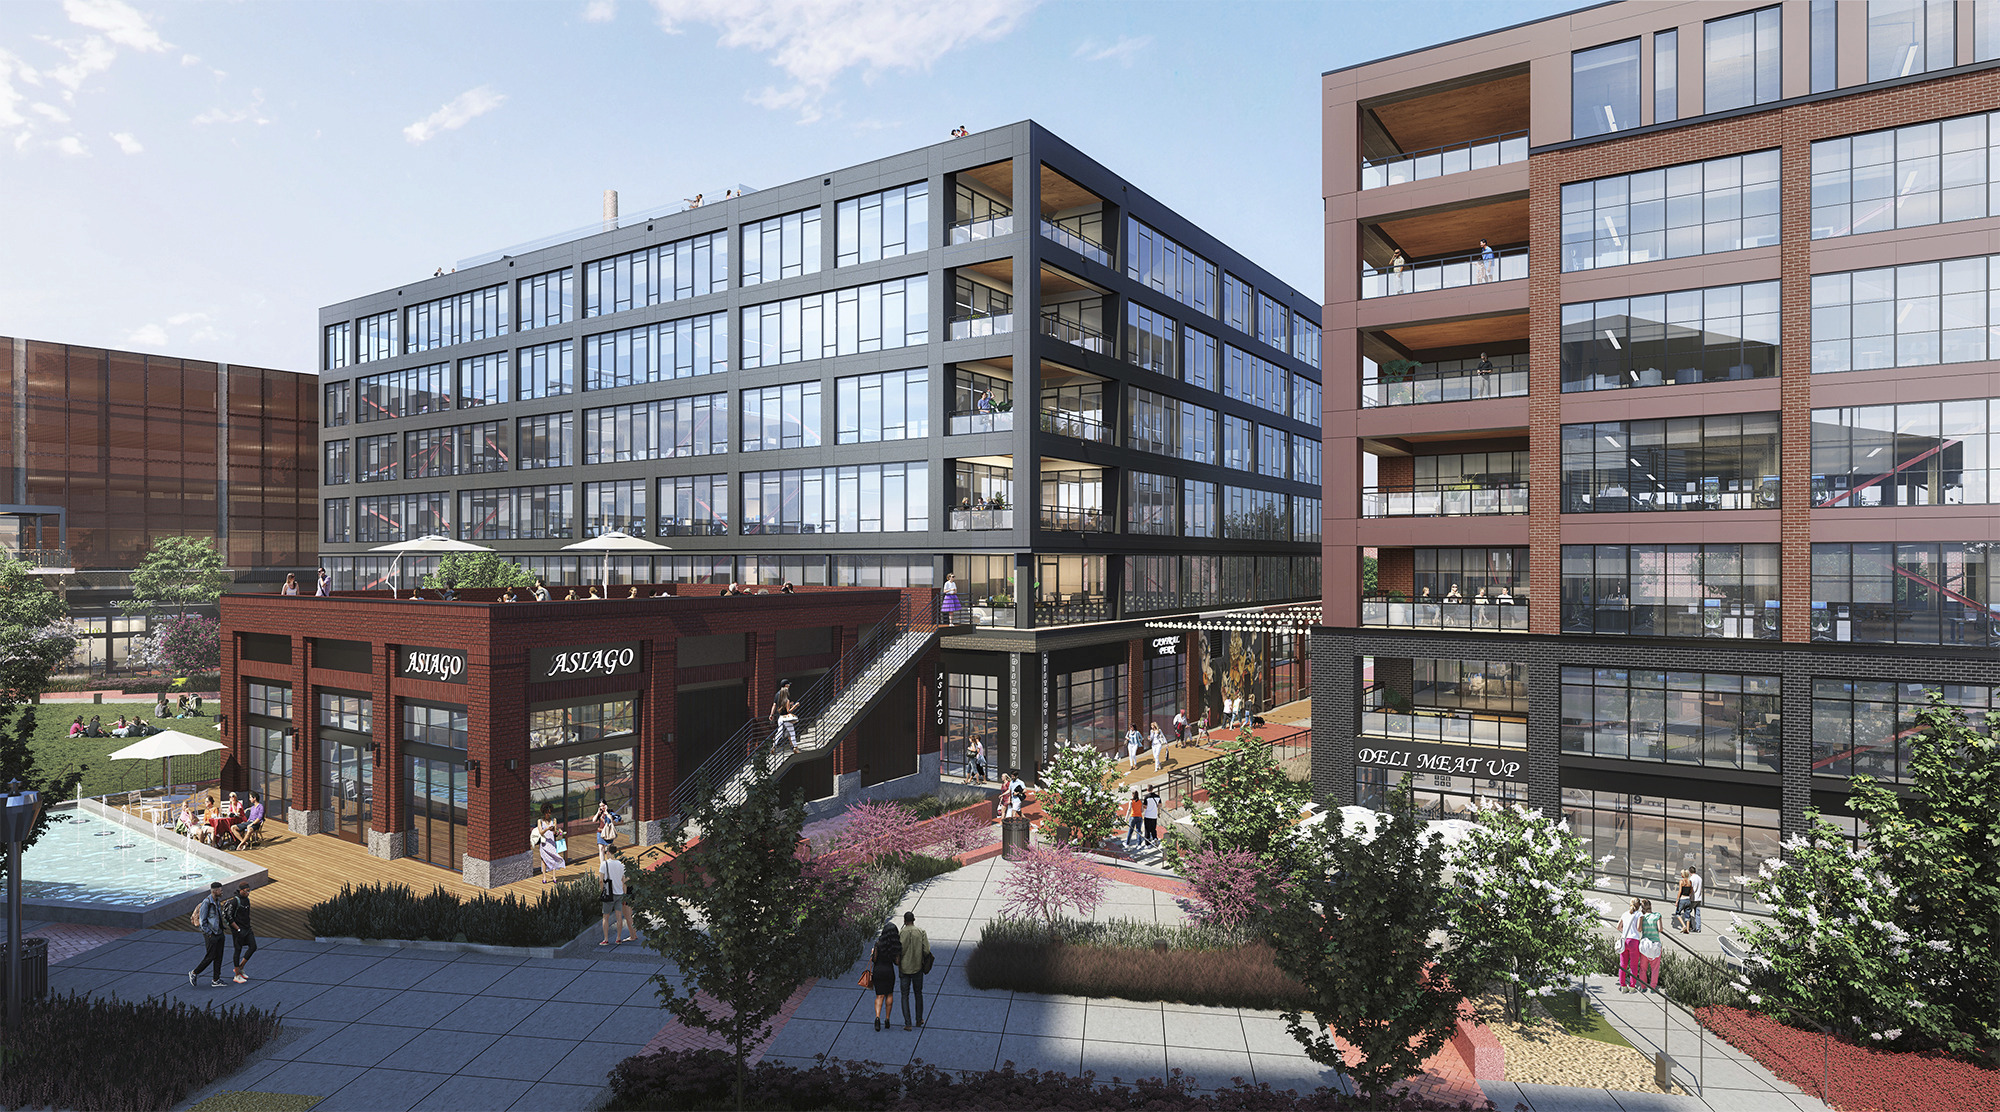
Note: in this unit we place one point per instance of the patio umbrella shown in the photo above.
(614, 541)
(436, 542)
(167, 744)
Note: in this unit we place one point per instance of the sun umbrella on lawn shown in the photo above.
(167, 744)
(436, 542)
(614, 541)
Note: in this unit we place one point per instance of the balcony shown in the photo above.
(1397, 612)
(1443, 501)
(981, 421)
(970, 325)
(44, 561)
(975, 520)
(1445, 273)
(1077, 242)
(1452, 158)
(1063, 520)
(690, 527)
(1407, 382)
(1059, 422)
(1070, 332)
(1075, 608)
(991, 227)
(1446, 726)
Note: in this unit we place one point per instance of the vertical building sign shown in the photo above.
(1048, 720)
(1014, 720)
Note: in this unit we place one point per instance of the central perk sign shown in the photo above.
(1442, 760)
(583, 661)
(1165, 645)
(438, 665)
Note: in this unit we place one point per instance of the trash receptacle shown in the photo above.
(1013, 837)
(34, 968)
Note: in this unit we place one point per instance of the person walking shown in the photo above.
(1134, 819)
(884, 960)
(1684, 904)
(949, 603)
(785, 714)
(1651, 948)
(975, 760)
(325, 588)
(1159, 750)
(916, 962)
(548, 840)
(1628, 948)
(291, 586)
(1180, 725)
(1694, 877)
(1485, 262)
(612, 872)
(1152, 816)
(208, 919)
(237, 914)
(607, 829)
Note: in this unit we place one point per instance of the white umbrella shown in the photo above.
(167, 744)
(614, 541)
(436, 542)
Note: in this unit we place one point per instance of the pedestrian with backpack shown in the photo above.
(207, 918)
(237, 914)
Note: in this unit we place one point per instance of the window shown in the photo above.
(339, 521)
(1236, 446)
(1918, 315)
(548, 440)
(1718, 462)
(693, 506)
(442, 726)
(383, 518)
(482, 380)
(1305, 460)
(338, 404)
(886, 315)
(1273, 320)
(1306, 400)
(1306, 526)
(1719, 719)
(377, 337)
(977, 301)
(353, 713)
(979, 215)
(1825, 17)
(548, 299)
(1157, 262)
(1915, 594)
(461, 318)
(376, 458)
(1258, 381)
(548, 371)
(967, 385)
(1666, 76)
(460, 450)
(1152, 341)
(1151, 504)
(406, 393)
(1152, 584)
(574, 725)
(335, 471)
(1255, 515)
(1698, 208)
(657, 352)
(892, 405)
(1908, 37)
(1235, 303)
(781, 247)
(972, 709)
(1090, 707)
(1913, 454)
(1906, 177)
(1604, 89)
(670, 428)
(982, 485)
(1671, 590)
(619, 505)
(1306, 340)
(875, 498)
(885, 571)
(1170, 427)
(574, 785)
(528, 513)
(1166, 676)
(883, 225)
(1273, 450)
(339, 345)
(1867, 727)
(655, 275)
(1720, 334)
(1740, 60)
(271, 700)
(777, 417)
(1200, 366)
(1644, 841)
(1985, 31)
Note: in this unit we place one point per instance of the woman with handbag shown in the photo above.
(549, 841)
(1650, 947)
(1684, 908)
(881, 973)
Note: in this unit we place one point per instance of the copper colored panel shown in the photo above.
(1461, 333)
(1059, 193)
(1458, 231)
(1000, 269)
(1056, 282)
(1457, 115)
(998, 178)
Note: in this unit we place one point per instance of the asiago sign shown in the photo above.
(582, 661)
(439, 665)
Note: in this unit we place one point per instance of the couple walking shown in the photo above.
(214, 916)
(1144, 811)
(906, 952)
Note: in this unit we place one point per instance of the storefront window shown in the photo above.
(1710, 718)
(574, 786)
(1643, 842)
(1866, 727)
(972, 708)
(1090, 707)
(579, 724)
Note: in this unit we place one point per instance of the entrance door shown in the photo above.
(347, 771)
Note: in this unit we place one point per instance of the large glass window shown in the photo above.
(886, 315)
(982, 486)
(1917, 315)
(548, 299)
(1307, 525)
(1305, 459)
(1466, 574)
(1236, 301)
(1151, 585)
(1906, 177)
(1200, 359)
(892, 405)
(1913, 454)
(1249, 514)
(1157, 262)
(336, 469)
(1644, 841)
(782, 247)
(1254, 379)
(1698, 208)
(1152, 503)
(785, 416)
(694, 506)
(1740, 60)
(1671, 590)
(1721, 719)
(482, 380)
(1908, 37)
(1985, 32)
(1170, 427)
(1604, 89)
(353, 713)
(657, 352)
(666, 429)
(1306, 340)
(383, 518)
(438, 809)
(547, 370)
(1198, 508)
(972, 710)
(1825, 15)
(883, 225)
(441, 725)
(461, 318)
(458, 450)
(376, 458)
(339, 345)
(1919, 594)
(654, 275)
(268, 718)
(1720, 334)
(409, 392)
(581, 723)
(545, 440)
(1090, 707)
(1274, 450)
(1273, 322)
(1666, 76)
(378, 336)
(528, 513)
(1237, 450)
(1719, 462)
(1306, 400)
(339, 521)
(1152, 341)
(1867, 727)
(335, 410)
(874, 498)
(573, 786)
(618, 505)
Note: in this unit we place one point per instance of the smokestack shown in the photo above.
(610, 209)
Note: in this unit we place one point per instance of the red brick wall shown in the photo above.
(1396, 472)
(1396, 570)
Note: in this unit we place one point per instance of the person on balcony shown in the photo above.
(949, 603)
(325, 588)
(1398, 265)
(1452, 594)
(1486, 260)
(1485, 369)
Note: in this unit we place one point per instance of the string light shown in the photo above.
(1297, 618)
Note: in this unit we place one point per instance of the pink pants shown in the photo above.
(1629, 965)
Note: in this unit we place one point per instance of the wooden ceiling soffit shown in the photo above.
(1059, 193)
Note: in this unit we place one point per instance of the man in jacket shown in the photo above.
(237, 914)
(916, 947)
(208, 917)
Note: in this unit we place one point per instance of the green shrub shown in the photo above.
(883, 887)
(1692, 982)
(147, 1055)
(1118, 933)
(557, 915)
(947, 798)
(919, 867)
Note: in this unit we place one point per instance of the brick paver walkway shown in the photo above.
(66, 940)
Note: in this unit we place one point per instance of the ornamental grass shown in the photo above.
(84, 1053)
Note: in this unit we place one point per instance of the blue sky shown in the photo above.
(199, 178)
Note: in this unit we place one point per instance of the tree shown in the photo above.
(1228, 887)
(184, 644)
(1519, 906)
(36, 638)
(1361, 930)
(1046, 882)
(742, 917)
(1254, 806)
(1077, 796)
(1369, 567)
(478, 569)
(178, 574)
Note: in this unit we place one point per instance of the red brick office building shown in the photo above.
(438, 730)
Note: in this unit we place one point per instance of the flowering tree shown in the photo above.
(1047, 882)
(958, 832)
(1077, 795)
(1229, 886)
(1518, 905)
(877, 830)
(1253, 805)
(185, 644)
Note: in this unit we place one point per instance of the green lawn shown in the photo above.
(1579, 1018)
(55, 749)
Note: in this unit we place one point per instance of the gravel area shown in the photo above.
(1540, 1052)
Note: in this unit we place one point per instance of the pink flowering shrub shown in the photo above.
(1225, 884)
(957, 832)
(1045, 882)
(877, 830)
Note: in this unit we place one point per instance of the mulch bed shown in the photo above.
(1857, 1078)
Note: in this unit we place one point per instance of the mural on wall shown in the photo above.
(1232, 667)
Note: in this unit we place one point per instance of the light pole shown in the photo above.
(17, 821)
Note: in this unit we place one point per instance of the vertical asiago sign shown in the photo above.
(577, 662)
(416, 662)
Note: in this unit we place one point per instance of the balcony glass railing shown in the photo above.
(1448, 273)
(1452, 158)
(1081, 244)
(1448, 726)
(1078, 521)
(687, 527)
(1709, 493)
(1070, 332)
(962, 520)
(1076, 608)
(1510, 615)
(1443, 501)
(981, 421)
(982, 612)
(1453, 381)
(1062, 422)
(981, 324)
(993, 227)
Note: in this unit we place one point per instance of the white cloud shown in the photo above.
(93, 55)
(254, 114)
(50, 111)
(1121, 51)
(600, 11)
(148, 335)
(461, 110)
(126, 142)
(110, 25)
(72, 146)
(815, 41)
(179, 332)
(117, 21)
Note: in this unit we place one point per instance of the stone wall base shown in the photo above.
(390, 845)
(305, 822)
(494, 874)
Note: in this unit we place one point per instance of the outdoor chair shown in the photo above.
(253, 835)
